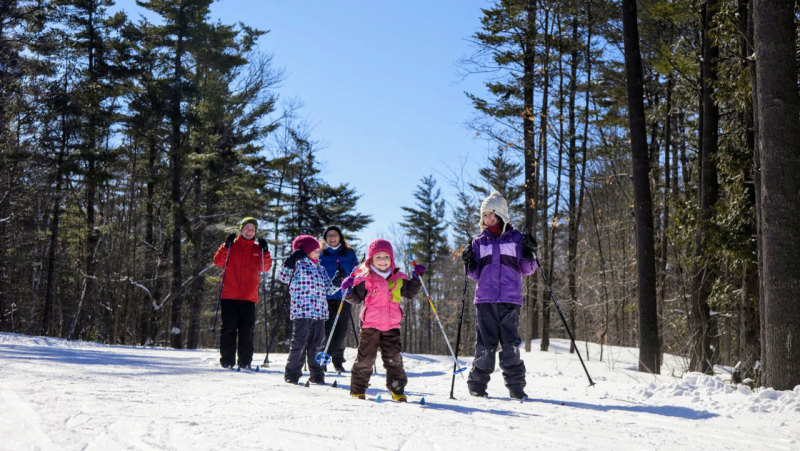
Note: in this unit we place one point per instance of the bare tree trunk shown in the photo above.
(572, 163)
(531, 182)
(748, 337)
(700, 323)
(196, 290)
(779, 151)
(643, 208)
(176, 163)
(544, 345)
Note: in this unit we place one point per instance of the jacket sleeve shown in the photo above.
(351, 261)
(285, 274)
(475, 273)
(358, 293)
(221, 255)
(411, 288)
(267, 262)
(332, 289)
(526, 267)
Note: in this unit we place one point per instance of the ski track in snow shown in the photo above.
(65, 395)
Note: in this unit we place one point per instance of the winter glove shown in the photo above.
(468, 256)
(348, 283)
(419, 270)
(229, 239)
(529, 247)
(262, 243)
(291, 260)
(339, 275)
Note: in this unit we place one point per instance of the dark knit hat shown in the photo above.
(248, 220)
(306, 242)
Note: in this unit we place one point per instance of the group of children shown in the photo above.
(319, 279)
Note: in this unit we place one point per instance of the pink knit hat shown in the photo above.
(379, 245)
(306, 242)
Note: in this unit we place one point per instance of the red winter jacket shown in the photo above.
(244, 264)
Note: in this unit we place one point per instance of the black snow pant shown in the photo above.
(336, 348)
(391, 344)
(238, 325)
(497, 324)
(308, 338)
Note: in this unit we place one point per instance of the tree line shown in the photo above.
(649, 146)
(634, 139)
(128, 147)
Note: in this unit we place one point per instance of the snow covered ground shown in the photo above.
(56, 394)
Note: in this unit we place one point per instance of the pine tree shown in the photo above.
(426, 229)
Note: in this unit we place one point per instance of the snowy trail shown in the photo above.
(74, 395)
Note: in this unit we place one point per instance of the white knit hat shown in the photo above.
(497, 205)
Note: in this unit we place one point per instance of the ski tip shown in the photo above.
(459, 370)
(378, 399)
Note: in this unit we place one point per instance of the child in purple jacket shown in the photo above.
(497, 259)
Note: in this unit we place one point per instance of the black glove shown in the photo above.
(291, 260)
(529, 246)
(468, 256)
(339, 275)
(229, 239)
(262, 243)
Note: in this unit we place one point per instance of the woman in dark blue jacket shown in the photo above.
(336, 249)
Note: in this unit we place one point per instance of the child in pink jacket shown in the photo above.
(380, 286)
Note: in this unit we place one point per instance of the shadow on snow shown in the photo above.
(667, 411)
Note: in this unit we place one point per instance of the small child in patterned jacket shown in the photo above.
(309, 286)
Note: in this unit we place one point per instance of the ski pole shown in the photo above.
(457, 369)
(563, 320)
(458, 336)
(353, 323)
(323, 358)
(560, 314)
(221, 285)
(264, 292)
(277, 319)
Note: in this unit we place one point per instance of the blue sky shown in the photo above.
(381, 89)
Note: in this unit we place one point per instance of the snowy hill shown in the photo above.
(75, 395)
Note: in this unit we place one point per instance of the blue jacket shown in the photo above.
(348, 259)
(500, 267)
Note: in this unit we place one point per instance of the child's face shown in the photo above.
(314, 255)
(382, 261)
(489, 218)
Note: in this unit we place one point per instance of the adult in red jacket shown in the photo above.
(248, 257)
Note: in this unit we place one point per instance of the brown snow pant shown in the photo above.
(390, 344)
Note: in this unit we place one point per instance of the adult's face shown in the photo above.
(332, 238)
(248, 231)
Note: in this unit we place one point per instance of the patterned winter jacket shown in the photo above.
(346, 256)
(309, 287)
(500, 267)
(382, 298)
